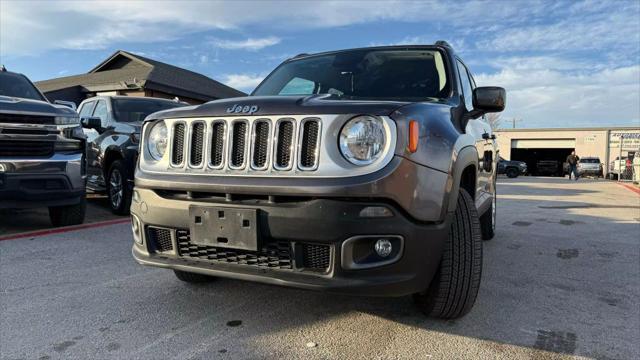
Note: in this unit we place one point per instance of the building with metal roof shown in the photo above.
(125, 73)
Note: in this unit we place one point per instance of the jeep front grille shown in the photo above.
(261, 145)
(197, 143)
(177, 154)
(309, 146)
(284, 145)
(238, 144)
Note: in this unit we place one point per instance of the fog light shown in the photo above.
(375, 212)
(383, 247)
(136, 228)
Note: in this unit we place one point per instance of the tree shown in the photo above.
(494, 120)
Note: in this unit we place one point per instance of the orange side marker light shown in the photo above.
(414, 133)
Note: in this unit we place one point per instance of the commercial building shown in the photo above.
(534, 145)
(125, 73)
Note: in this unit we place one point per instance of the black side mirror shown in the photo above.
(91, 123)
(489, 99)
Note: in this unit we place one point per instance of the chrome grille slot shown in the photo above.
(309, 142)
(284, 145)
(177, 152)
(238, 144)
(260, 144)
(217, 144)
(197, 143)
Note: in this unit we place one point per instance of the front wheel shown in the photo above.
(512, 173)
(68, 215)
(118, 189)
(454, 288)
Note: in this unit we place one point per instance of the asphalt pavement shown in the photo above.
(561, 279)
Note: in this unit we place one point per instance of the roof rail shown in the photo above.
(443, 43)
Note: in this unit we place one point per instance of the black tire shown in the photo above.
(488, 219)
(192, 278)
(118, 190)
(68, 215)
(512, 173)
(454, 288)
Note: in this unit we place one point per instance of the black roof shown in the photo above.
(124, 70)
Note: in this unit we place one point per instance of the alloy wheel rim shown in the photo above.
(115, 188)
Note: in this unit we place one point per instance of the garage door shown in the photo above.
(543, 143)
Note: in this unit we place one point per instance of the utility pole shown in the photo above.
(514, 120)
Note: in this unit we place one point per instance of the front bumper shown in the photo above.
(54, 181)
(293, 224)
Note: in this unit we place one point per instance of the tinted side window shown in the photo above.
(86, 109)
(101, 110)
(467, 88)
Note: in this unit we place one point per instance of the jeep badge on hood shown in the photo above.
(246, 109)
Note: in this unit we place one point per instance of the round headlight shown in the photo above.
(157, 141)
(362, 140)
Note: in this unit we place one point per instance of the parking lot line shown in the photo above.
(63, 229)
(631, 187)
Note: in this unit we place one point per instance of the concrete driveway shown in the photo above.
(560, 280)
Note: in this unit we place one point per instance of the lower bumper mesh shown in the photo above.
(274, 254)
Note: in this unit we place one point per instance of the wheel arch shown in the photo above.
(463, 175)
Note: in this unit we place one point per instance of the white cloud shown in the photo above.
(31, 27)
(251, 44)
(554, 98)
(244, 82)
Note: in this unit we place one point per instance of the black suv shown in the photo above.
(42, 150)
(511, 168)
(113, 128)
(367, 171)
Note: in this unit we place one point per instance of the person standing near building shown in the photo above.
(573, 165)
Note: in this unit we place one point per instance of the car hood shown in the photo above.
(281, 105)
(13, 105)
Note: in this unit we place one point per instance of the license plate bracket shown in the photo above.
(224, 227)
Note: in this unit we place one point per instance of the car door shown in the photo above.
(94, 153)
(481, 132)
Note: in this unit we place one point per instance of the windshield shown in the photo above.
(590, 161)
(403, 75)
(136, 109)
(16, 85)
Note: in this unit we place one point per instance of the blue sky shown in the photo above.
(563, 64)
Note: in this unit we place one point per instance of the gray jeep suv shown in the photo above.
(42, 150)
(366, 171)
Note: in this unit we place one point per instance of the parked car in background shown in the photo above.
(42, 152)
(619, 166)
(364, 171)
(548, 167)
(590, 166)
(511, 168)
(113, 126)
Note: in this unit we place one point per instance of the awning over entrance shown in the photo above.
(543, 143)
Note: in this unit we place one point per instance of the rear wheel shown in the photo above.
(192, 277)
(512, 172)
(454, 288)
(68, 215)
(118, 189)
